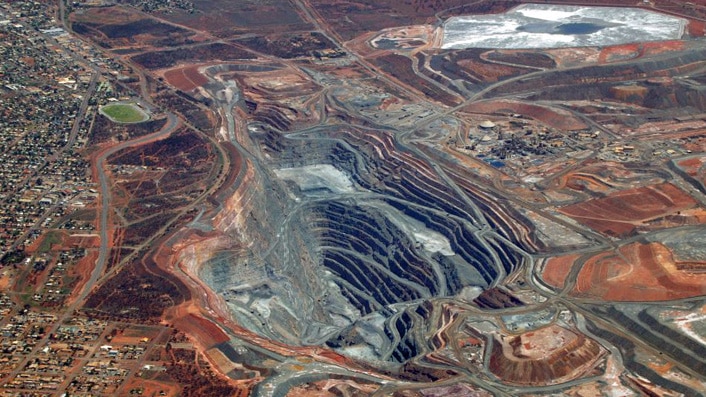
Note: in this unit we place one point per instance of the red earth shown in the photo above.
(622, 213)
(185, 78)
(638, 272)
(556, 269)
(203, 330)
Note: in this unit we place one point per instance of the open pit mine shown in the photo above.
(401, 205)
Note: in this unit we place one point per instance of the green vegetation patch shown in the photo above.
(124, 113)
(51, 238)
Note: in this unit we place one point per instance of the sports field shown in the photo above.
(124, 113)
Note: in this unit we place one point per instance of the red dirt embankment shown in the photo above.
(638, 272)
(692, 164)
(619, 52)
(696, 28)
(488, 72)
(622, 213)
(206, 332)
(556, 269)
(623, 52)
(544, 356)
(185, 78)
(695, 167)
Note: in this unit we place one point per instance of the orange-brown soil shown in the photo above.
(629, 93)
(658, 47)
(661, 368)
(604, 177)
(694, 167)
(585, 182)
(624, 52)
(696, 28)
(488, 72)
(555, 118)
(186, 78)
(545, 356)
(619, 53)
(135, 334)
(638, 272)
(205, 331)
(697, 144)
(623, 213)
(556, 269)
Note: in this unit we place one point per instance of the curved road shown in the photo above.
(172, 124)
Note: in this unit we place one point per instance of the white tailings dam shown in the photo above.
(553, 26)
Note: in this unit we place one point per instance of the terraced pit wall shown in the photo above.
(687, 351)
(352, 269)
(627, 349)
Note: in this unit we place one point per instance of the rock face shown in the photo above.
(629, 93)
(346, 241)
(545, 356)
